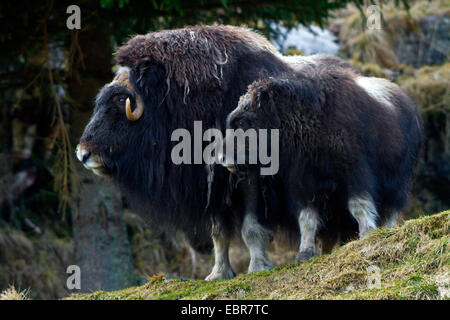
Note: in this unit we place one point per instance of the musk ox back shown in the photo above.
(348, 144)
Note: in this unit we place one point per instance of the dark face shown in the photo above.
(110, 129)
(241, 118)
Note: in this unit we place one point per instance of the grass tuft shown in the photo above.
(12, 294)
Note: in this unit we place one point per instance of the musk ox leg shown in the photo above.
(308, 221)
(326, 243)
(392, 219)
(363, 210)
(256, 237)
(222, 267)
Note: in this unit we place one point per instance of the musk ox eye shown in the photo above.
(120, 100)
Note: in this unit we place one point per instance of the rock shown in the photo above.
(428, 44)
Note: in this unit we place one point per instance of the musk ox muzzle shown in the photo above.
(90, 161)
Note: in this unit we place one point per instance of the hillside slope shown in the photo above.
(407, 262)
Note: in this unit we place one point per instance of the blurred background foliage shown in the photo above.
(51, 210)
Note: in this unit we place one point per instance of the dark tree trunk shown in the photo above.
(101, 244)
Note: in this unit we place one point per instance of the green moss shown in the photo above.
(293, 52)
(370, 69)
(412, 261)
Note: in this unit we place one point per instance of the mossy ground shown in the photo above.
(413, 263)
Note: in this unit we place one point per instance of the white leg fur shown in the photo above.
(308, 221)
(222, 267)
(363, 210)
(256, 237)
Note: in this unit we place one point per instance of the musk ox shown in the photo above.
(348, 145)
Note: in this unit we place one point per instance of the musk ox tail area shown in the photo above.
(397, 135)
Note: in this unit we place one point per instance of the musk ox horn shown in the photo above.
(137, 113)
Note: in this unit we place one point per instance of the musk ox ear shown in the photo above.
(267, 107)
(147, 77)
(282, 89)
(276, 93)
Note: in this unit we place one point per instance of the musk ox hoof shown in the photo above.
(259, 265)
(305, 255)
(364, 232)
(220, 274)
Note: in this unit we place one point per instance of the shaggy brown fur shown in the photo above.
(193, 56)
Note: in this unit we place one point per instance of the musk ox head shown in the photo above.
(252, 130)
(116, 126)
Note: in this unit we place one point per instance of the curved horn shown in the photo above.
(137, 113)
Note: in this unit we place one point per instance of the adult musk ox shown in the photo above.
(348, 144)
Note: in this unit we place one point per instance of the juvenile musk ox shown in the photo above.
(348, 145)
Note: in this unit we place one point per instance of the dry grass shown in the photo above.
(37, 262)
(12, 294)
(379, 46)
(429, 86)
